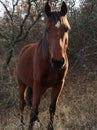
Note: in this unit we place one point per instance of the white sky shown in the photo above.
(2, 8)
(77, 3)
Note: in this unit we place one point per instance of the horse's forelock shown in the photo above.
(55, 17)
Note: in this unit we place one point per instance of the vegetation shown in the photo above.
(22, 23)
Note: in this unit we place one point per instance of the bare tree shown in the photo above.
(19, 18)
(83, 38)
(17, 22)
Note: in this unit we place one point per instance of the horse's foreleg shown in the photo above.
(29, 96)
(37, 94)
(22, 101)
(56, 91)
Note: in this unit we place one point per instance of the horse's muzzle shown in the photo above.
(57, 64)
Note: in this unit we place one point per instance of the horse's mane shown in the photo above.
(43, 49)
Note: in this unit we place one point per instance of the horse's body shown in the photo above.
(32, 67)
(40, 66)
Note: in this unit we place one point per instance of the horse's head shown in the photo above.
(57, 35)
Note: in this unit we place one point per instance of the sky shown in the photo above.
(2, 9)
(77, 3)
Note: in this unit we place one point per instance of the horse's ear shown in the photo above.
(47, 9)
(63, 9)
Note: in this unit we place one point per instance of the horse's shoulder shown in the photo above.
(28, 47)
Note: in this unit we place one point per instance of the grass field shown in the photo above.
(76, 109)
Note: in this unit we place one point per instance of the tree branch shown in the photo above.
(23, 22)
(29, 28)
(3, 36)
(10, 16)
(14, 5)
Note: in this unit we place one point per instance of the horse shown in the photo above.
(44, 65)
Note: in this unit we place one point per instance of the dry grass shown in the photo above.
(76, 109)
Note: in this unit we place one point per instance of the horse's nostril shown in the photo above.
(57, 63)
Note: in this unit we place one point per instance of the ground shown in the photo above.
(76, 109)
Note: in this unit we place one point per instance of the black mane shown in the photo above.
(43, 45)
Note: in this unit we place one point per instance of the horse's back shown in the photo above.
(25, 64)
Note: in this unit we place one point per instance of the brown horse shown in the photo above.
(45, 64)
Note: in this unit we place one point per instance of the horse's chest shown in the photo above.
(54, 77)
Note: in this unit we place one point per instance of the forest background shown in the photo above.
(23, 22)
